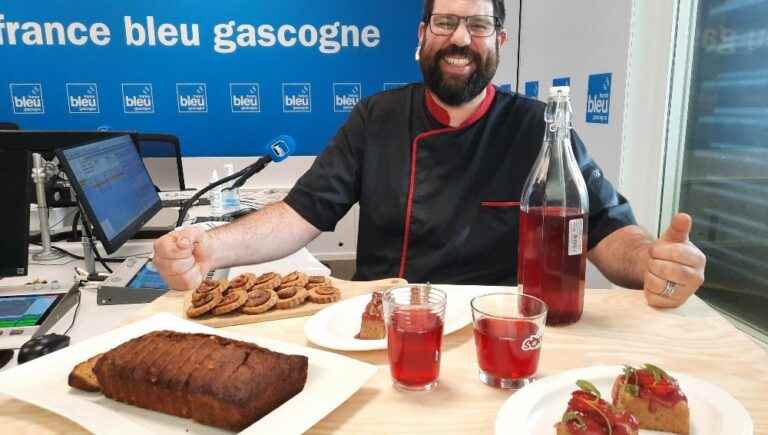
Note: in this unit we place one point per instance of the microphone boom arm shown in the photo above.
(242, 174)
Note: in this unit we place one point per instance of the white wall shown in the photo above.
(646, 118)
(507, 72)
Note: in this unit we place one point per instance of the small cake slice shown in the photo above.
(372, 325)
(82, 376)
(654, 398)
(588, 414)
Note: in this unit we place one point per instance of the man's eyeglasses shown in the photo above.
(477, 25)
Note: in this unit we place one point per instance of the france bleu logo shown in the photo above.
(138, 98)
(561, 81)
(599, 98)
(346, 95)
(27, 98)
(297, 97)
(192, 97)
(532, 89)
(245, 97)
(83, 97)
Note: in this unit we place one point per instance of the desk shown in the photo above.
(617, 327)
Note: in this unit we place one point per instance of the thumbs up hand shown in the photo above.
(675, 269)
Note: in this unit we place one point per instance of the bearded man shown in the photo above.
(438, 168)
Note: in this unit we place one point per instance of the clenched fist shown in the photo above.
(184, 257)
(675, 269)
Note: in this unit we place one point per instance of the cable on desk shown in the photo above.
(74, 224)
(78, 257)
(77, 310)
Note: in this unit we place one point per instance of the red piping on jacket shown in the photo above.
(441, 115)
(500, 203)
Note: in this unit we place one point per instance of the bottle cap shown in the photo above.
(563, 90)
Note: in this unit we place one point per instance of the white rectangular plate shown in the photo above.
(331, 380)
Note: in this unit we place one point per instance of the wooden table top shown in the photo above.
(617, 328)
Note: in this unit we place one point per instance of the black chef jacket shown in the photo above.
(437, 203)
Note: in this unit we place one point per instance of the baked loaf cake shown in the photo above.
(654, 398)
(589, 414)
(213, 380)
(372, 325)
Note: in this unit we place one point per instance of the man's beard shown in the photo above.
(457, 91)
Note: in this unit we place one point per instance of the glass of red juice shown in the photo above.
(414, 317)
(508, 334)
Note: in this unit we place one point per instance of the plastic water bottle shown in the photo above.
(215, 197)
(230, 197)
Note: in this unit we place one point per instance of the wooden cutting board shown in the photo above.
(174, 302)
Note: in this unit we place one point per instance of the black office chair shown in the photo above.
(8, 126)
(153, 145)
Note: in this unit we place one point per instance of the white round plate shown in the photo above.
(535, 409)
(335, 326)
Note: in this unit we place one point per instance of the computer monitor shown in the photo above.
(15, 170)
(45, 142)
(112, 186)
(162, 157)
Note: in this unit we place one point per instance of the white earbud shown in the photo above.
(417, 56)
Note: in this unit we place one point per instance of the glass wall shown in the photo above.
(724, 179)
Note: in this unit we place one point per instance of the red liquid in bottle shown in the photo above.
(546, 268)
(414, 338)
(508, 349)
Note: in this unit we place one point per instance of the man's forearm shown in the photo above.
(623, 255)
(268, 234)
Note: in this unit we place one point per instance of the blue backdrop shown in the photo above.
(224, 76)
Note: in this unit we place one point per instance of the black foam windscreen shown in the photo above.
(15, 170)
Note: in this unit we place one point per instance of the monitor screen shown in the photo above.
(113, 186)
(26, 310)
(15, 171)
(147, 277)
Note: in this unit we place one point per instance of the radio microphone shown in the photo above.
(276, 150)
(281, 147)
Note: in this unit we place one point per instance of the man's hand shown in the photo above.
(675, 268)
(184, 257)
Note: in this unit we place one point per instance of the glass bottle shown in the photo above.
(214, 196)
(552, 252)
(230, 196)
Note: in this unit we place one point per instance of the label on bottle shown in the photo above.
(575, 234)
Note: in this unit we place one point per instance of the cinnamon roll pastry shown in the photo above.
(294, 279)
(291, 297)
(205, 304)
(243, 281)
(267, 281)
(324, 294)
(317, 281)
(208, 286)
(260, 301)
(231, 301)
